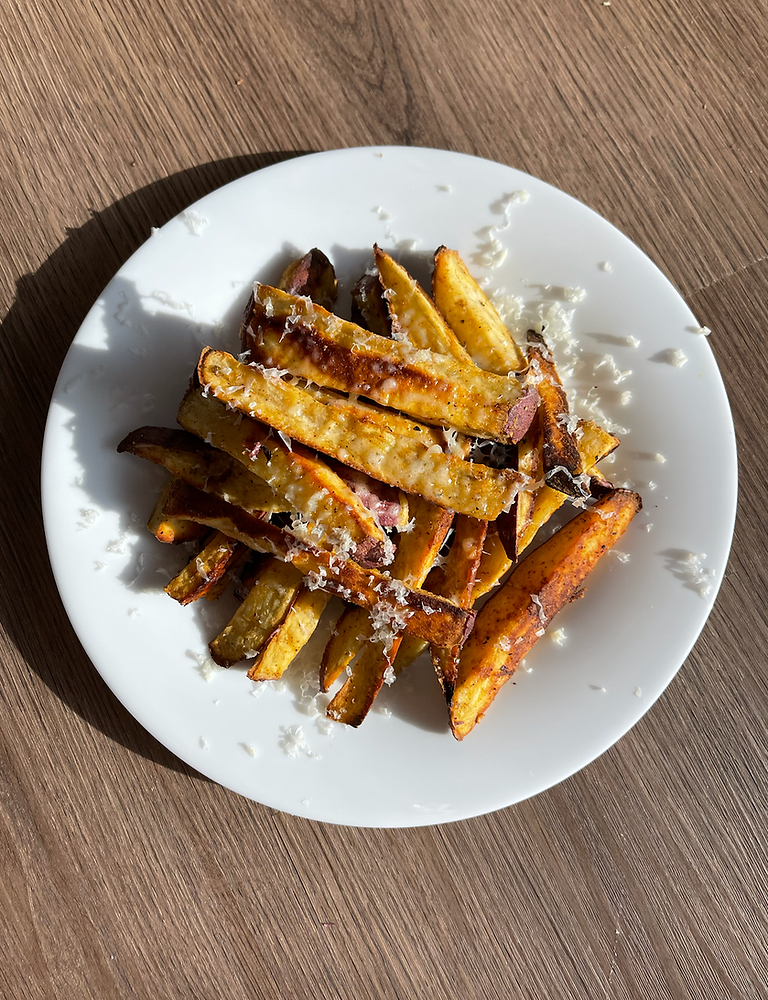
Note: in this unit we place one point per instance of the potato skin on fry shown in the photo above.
(512, 621)
(311, 275)
(560, 453)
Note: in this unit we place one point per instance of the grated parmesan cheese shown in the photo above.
(194, 222)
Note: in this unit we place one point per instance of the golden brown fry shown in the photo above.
(354, 699)
(291, 636)
(187, 457)
(560, 453)
(293, 333)
(204, 571)
(301, 479)
(516, 616)
(349, 635)
(460, 572)
(593, 443)
(412, 313)
(263, 610)
(493, 565)
(415, 556)
(419, 612)
(361, 436)
(172, 530)
(471, 315)
(512, 525)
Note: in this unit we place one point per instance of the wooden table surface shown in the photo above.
(124, 874)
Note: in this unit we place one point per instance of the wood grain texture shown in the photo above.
(127, 875)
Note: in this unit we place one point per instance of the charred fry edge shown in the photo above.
(560, 453)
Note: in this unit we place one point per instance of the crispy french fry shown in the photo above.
(517, 615)
(362, 437)
(422, 613)
(234, 571)
(349, 635)
(290, 637)
(593, 443)
(560, 453)
(415, 556)
(263, 610)
(513, 524)
(204, 571)
(292, 333)
(172, 530)
(187, 457)
(353, 701)
(300, 478)
(460, 572)
(471, 315)
(412, 313)
(494, 563)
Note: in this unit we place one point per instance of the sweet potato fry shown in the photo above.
(419, 612)
(413, 316)
(472, 317)
(204, 571)
(263, 610)
(517, 615)
(301, 479)
(362, 437)
(388, 504)
(294, 334)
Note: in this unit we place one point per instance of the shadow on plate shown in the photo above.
(49, 307)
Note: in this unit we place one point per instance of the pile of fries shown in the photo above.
(403, 461)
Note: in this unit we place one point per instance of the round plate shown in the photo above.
(637, 342)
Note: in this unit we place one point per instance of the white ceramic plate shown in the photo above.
(130, 363)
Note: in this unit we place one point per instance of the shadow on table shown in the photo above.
(49, 308)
